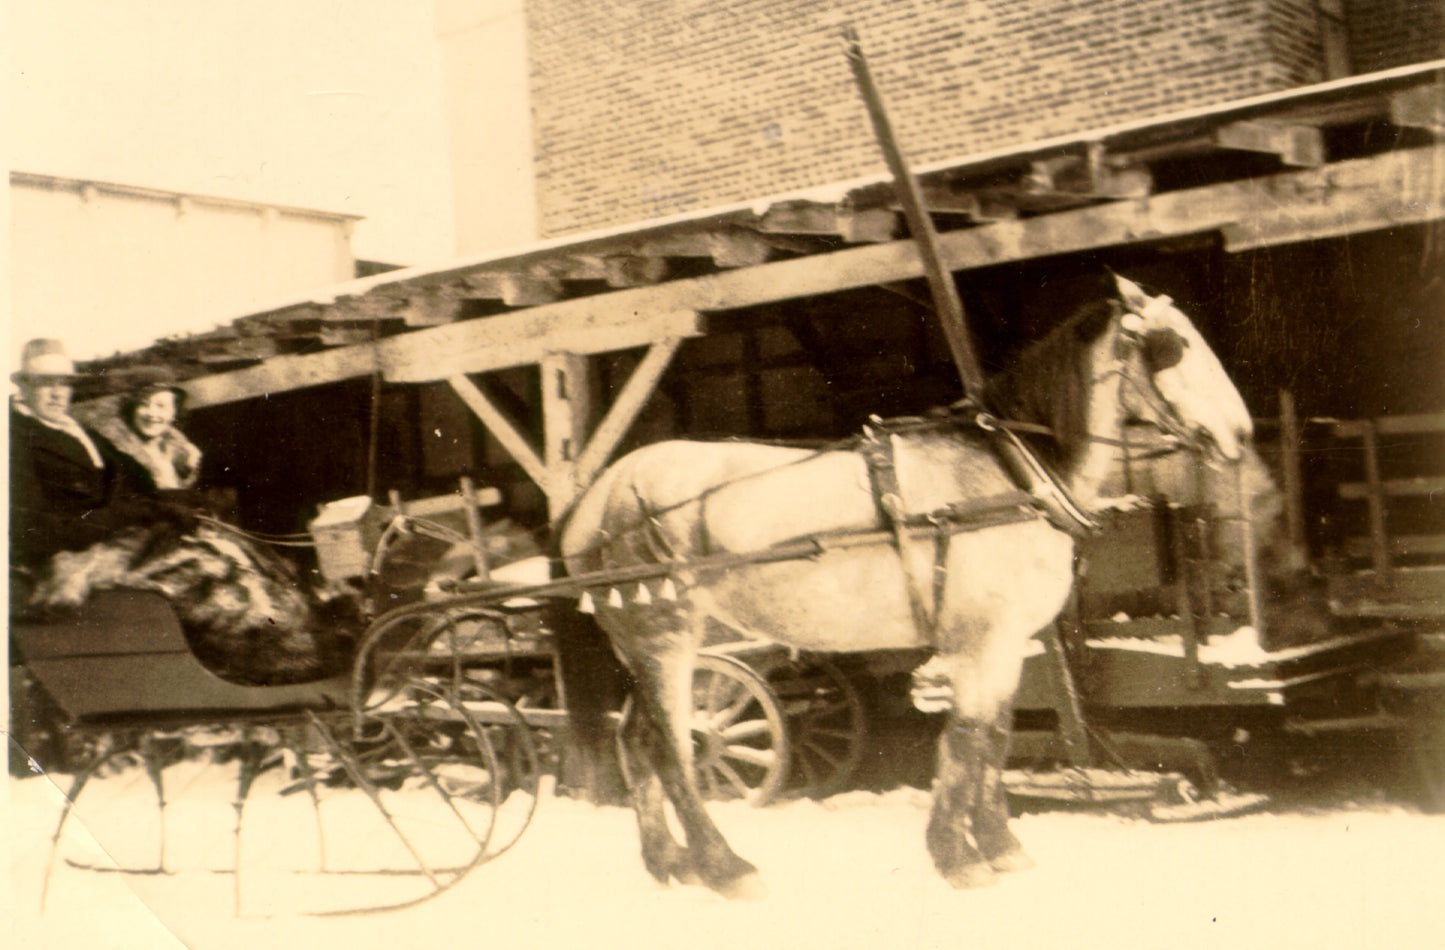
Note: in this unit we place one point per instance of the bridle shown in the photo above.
(1156, 349)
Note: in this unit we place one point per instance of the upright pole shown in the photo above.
(920, 225)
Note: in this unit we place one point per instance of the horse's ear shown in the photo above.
(1131, 293)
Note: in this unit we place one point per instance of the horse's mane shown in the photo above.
(1048, 382)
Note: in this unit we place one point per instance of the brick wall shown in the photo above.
(649, 108)
(1389, 33)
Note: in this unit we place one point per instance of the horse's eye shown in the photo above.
(1162, 349)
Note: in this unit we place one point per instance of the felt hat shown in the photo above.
(44, 359)
(145, 381)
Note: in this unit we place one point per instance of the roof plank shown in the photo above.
(1345, 197)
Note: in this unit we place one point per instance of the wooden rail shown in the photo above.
(1406, 578)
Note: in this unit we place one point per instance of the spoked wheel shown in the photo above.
(436, 645)
(447, 791)
(740, 740)
(826, 724)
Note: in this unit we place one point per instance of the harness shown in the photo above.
(1039, 495)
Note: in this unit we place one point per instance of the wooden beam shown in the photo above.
(432, 308)
(623, 412)
(501, 428)
(526, 337)
(1298, 145)
(514, 290)
(738, 247)
(800, 217)
(1390, 190)
(867, 226)
(1422, 108)
(634, 271)
(978, 206)
(1393, 189)
(728, 247)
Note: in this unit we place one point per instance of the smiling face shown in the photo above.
(48, 398)
(154, 414)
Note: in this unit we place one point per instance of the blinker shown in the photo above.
(1162, 348)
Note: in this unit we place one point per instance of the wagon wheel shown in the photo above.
(827, 727)
(448, 791)
(740, 741)
(434, 644)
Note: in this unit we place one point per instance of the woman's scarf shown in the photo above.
(172, 460)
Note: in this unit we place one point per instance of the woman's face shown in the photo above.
(156, 414)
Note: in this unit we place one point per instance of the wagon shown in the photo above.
(1182, 648)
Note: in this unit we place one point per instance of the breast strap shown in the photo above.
(925, 595)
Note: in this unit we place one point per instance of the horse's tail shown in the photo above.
(594, 684)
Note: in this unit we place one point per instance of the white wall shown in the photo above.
(484, 50)
(103, 268)
(313, 103)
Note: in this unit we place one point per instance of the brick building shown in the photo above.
(642, 110)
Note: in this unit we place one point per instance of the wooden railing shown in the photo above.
(1388, 540)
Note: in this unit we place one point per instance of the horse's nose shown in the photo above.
(1229, 441)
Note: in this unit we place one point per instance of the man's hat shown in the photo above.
(45, 360)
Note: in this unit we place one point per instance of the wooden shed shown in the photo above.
(1303, 231)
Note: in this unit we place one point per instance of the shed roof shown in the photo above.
(1336, 158)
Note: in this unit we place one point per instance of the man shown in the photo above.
(66, 493)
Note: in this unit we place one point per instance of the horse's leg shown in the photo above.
(661, 853)
(968, 833)
(664, 691)
(990, 817)
(956, 789)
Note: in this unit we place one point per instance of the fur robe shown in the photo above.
(244, 614)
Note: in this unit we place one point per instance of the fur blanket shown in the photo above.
(244, 613)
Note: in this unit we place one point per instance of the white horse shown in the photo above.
(961, 563)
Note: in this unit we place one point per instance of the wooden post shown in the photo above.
(1291, 439)
(1375, 499)
(566, 410)
(474, 528)
(1073, 728)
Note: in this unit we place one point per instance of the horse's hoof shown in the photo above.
(745, 887)
(971, 876)
(686, 875)
(1012, 861)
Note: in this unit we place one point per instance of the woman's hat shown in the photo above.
(45, 360)
(145, 381)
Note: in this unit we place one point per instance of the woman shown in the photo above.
(144, 431)
(244, 613)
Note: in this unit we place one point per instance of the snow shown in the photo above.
(1240, 648)
(846, 872)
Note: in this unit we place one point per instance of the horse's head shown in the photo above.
(1179, 383)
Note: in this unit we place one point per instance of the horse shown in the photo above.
(963, 568)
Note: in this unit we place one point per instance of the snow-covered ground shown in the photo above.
(850, 871)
